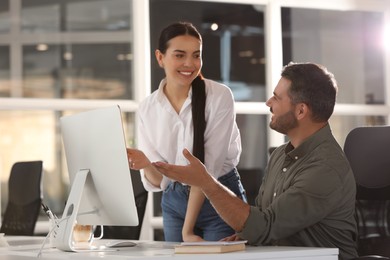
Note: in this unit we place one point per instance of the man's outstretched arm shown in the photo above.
(231, 209)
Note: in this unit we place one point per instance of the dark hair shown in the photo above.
(313, 85)
(198, 86)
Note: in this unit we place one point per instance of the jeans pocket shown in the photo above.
(169, 187)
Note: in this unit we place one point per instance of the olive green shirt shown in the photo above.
(307, 198)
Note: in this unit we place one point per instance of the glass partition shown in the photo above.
(75, 15)
(83, 71)
(5, 83)
(59, 49)
(349, 43)
(233, 42)
(342, 124)
(4, 17)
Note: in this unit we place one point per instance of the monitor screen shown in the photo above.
(101, 188)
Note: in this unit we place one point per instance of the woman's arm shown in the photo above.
(195, 203)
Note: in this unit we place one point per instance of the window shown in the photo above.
(5, 84)
(350, 44)
(54, 50)
(75, 15)
(76, 71)
(354, 37)
(4, 17)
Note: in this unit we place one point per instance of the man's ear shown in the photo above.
(159, 58)
(301, 110)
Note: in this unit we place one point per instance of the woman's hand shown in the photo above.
(191, 237)
(137, 159)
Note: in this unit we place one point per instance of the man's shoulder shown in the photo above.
(329, 160)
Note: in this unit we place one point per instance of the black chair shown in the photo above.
(367, 149)
(24, 199)
(126, 232)
(251, 180)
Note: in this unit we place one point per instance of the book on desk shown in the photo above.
(209, 247)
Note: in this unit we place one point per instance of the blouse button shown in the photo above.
(284, 169)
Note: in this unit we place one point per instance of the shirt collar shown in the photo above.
(309, 144)
(160, 91)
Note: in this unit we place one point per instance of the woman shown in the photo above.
(187, 111)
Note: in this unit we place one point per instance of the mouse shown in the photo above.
(121, 243)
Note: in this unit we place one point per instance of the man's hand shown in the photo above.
(233, 237)
(194, 174)
(231, 208)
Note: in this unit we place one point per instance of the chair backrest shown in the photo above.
(24, 198)
(251, 180)
(367, 151)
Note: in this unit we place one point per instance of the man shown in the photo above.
(307, 197)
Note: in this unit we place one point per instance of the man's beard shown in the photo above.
(284, 123)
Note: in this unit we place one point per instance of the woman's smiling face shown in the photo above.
(182, 60)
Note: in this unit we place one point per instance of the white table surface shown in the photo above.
(23, 248)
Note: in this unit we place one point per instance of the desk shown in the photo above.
(156, 250)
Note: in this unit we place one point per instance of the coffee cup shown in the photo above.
(85, 234)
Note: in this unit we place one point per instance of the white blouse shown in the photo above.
(163, 134)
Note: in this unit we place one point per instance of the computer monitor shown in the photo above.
(101, 188)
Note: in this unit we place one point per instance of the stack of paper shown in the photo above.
(209, 247)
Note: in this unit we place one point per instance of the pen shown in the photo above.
(49, 213)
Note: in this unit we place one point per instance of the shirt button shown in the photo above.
(296, 157)
(274, 194)
(284, 169)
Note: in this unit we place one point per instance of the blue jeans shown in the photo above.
(208, 224)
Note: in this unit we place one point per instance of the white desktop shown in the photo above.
(157, 250)
(101, 188)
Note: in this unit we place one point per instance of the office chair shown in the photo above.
(126, 232)
(367, 149)
(24, 199)
(251, 180)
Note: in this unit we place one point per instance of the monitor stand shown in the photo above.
(64, 237)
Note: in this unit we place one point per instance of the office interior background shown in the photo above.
(59, 57)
